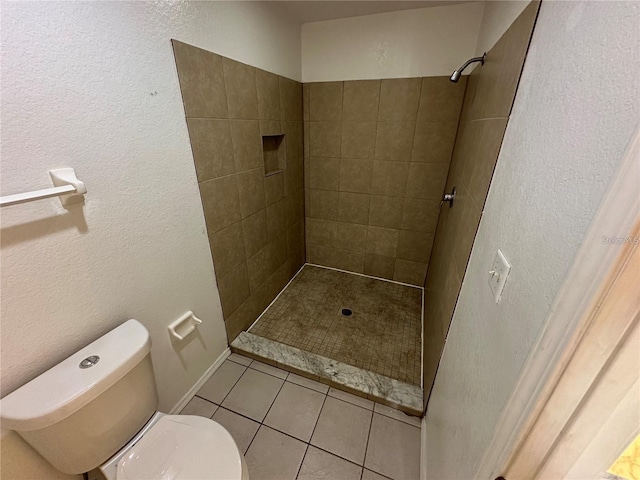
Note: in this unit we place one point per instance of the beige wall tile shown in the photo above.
(324, 173)
(336, 258)
(399, 99)
(274, 187)
(290, 99)
(251, 191)
(324, 138)
(258, 266)
(247, 144)
(276, 221)
(240, 84)
(382, 241)
(270, 127)
(324, 204)
(306, 107)
(389, 178)
(410, 272)
(220, 202)
(449, 296)
(394, 141)
(358, 139)
(268, 95)
(351, 237)
(379, 266)
(498, 77)
(441, 99)
(212, 148)
(385, 211)
(427, 180)
(355, 175)
(354, 208)
(325, 100)
(433, 142)
(360, 102)
(321, 232)
(256, 234)
(227, 248)
(234, 289)
(201, 81)
(464, 225)
(420, 215)
(479, 173)
(293, 137)
(415, 246)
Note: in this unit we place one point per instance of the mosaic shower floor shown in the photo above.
(381, 335)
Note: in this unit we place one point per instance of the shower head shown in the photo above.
(455, 76)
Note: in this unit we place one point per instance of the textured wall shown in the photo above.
(93, 85)
(424, 42)
(378, 157)
(576, 109)
(487, 105)
(255, 221)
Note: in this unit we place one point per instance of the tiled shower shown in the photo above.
(334, 190)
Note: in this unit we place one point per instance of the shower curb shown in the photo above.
(364, 383)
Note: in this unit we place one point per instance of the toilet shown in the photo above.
(96, 412)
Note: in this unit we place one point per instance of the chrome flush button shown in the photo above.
(89, 361)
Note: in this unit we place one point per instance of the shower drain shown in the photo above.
(346, 312)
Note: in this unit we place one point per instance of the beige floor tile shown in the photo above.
(394, 449)
(369, 475)
(307, 382)
(353, 399)
(295, 411)
(397, 414)
(241, 428)
(242, 360)
(253, 394)
(320, 465)
(274, 456)
(221, 382)
(342, 429)
(264, 368)
(199, 406)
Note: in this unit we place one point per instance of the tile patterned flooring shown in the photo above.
(383, 335)
(290, 427)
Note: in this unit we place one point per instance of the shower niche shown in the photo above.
(274, 154)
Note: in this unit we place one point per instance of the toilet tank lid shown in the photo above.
(65, 388)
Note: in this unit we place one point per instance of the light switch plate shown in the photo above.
(498, 275)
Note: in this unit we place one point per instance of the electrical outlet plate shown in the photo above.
(498, 275)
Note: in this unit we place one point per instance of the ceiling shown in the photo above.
(315, 11)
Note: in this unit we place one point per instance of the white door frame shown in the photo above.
(615, 219)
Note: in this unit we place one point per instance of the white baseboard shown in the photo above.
(423, 448)
(192, 391)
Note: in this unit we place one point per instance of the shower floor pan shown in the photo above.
(357, 333)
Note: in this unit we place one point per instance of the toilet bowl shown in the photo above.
(176, 447)
(96, 412)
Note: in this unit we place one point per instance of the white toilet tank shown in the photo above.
(82, 411)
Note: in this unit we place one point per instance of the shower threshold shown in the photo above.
(356, 333)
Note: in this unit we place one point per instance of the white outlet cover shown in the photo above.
(498, 275)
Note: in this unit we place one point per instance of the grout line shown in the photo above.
(324, 401)
(267, 373)
(302, 462)
(366, 448)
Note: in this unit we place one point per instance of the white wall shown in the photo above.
(575, 111)
(94, 86)
(410, 43)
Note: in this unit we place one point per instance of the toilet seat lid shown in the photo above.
(182, 447)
